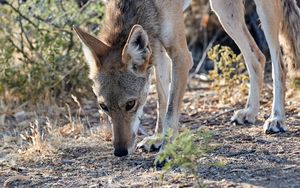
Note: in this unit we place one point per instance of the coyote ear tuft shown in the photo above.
(93, 50)
(136, 53)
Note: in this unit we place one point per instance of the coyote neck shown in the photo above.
(122, 15)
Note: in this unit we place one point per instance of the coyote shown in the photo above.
(140, 34)
(136, 36)
(280, 20)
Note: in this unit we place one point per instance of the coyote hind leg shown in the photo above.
(231, 16)
(269, 12)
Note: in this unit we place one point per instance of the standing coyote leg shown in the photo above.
(174, 41)
(231, 16)
(162, 72)
(162, 64)
(173, 47)
(270, 14)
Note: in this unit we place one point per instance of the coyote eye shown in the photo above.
(130, 105)
(103, 107)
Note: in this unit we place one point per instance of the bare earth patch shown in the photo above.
(69, 148)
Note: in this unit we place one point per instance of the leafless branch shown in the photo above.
(204, 54)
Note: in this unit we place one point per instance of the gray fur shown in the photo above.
(290, 36)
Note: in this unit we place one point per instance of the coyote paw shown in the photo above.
(160, 164)
(275, 125)
(151, 143)
(244, 116)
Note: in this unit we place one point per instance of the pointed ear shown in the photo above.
(136, 53)
(93, 50)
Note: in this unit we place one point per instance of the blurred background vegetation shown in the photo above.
(40, 56)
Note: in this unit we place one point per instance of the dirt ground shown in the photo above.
(68, 148)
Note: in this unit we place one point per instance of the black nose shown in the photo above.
(120, 152)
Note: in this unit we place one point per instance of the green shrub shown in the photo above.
(40, 54)
(184, 151)
(229, 75)
(295, 83)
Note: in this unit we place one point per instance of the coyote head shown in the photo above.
(121, 82)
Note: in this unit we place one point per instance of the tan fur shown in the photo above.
(136, 36)
(279, 19)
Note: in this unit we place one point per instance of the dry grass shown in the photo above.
(53, 146)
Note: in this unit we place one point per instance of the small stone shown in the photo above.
(20, 116)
